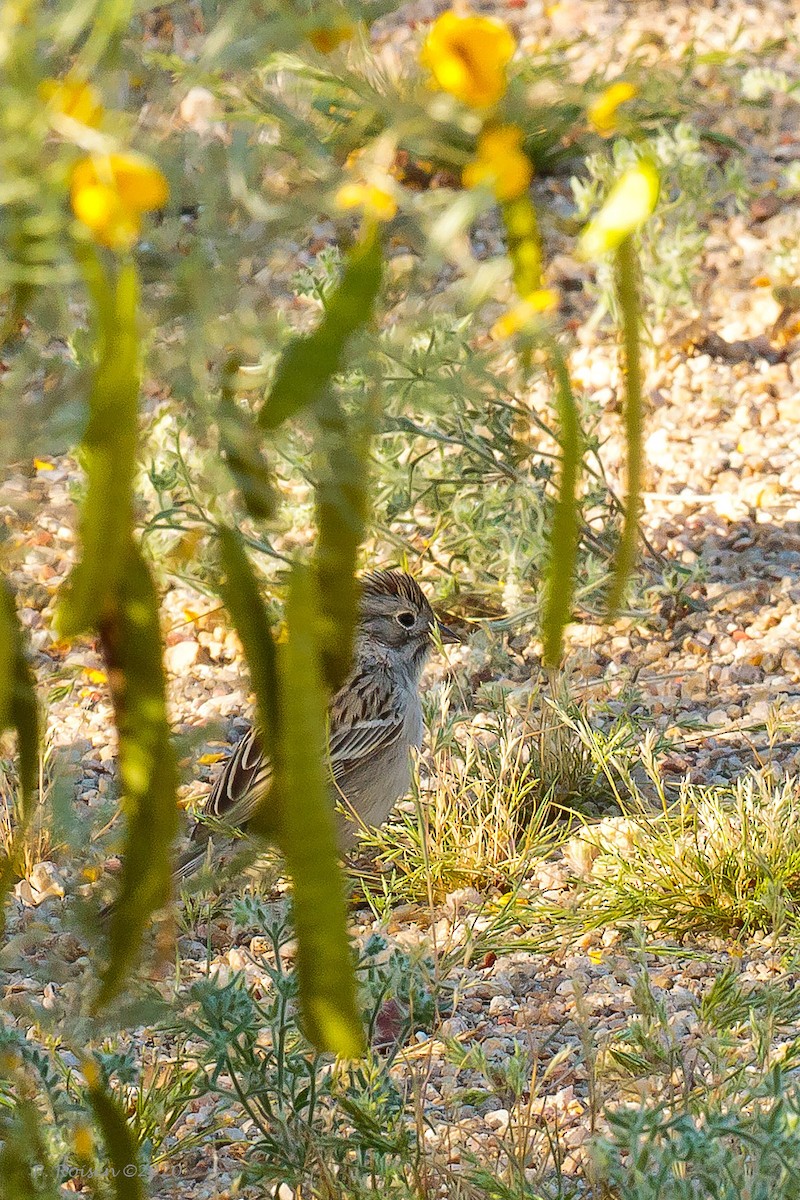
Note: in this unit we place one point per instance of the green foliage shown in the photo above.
(458, 463)
(669, 246)
(312, 1118)
(18, 711)
(565, 531)
(308, 364)
(131, 643)
(242, 597)
(308, 836)
(119, 1142)
(109, 449)
(732, 1134)
(342, 501)
(722, 1154)
(25, 1168)
(628, 300)
(240, 445)
(296, 812)
(723, 860)
(18, 707)
(494, 810)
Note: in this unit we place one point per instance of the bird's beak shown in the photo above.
(446, 635)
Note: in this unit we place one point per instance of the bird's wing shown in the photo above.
(366, 719)
(245, 776)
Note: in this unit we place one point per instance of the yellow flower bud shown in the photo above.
(523, 314)
(91, 1072)
(602, 113)
(82, 1141)
(628, 205)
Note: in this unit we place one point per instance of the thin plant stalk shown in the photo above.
(625, 274)
(560, 586)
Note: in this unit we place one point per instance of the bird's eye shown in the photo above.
(406, 619)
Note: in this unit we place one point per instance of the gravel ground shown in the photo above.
(722, 500)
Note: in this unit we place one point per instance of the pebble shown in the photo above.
(717, 716)
(498, 1119)
(181, 656)
(43, 882)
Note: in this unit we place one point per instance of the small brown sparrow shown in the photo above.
(375, 720)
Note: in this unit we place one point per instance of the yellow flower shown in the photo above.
(468, 56)
(524, 313)
(628, 205)
(109, 195)
(373, 200)
(325, 38)
(73, 98)
(602, 113)
(500, 162)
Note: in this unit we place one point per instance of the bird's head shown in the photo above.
(395, 613)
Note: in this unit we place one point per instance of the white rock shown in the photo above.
(181, 656)
(462, 898)
(43, 882)
(498, 1119)
(717, 717)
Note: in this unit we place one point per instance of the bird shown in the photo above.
(375, 720)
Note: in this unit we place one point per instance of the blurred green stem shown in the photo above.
(626, 282)
(560, 585)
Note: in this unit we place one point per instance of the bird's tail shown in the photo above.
(201, 855)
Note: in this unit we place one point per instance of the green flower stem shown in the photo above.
(560, 578)
(628, 296)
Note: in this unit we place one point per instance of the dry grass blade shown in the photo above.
(488, 810)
